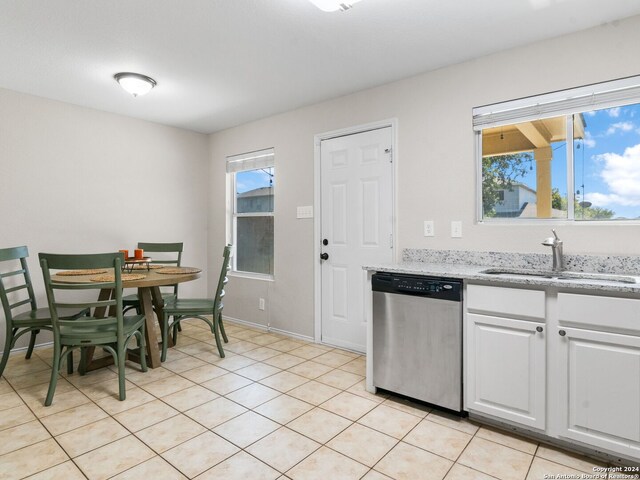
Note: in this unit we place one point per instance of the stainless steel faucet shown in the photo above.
(556, 248)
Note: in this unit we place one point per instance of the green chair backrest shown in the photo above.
(113, 305)
(164, 248)
(222, 281)
(11, 255)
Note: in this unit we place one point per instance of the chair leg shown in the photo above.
(120, 359)
(143, 348)
(165, 337)
(82, 367)
(55, 368)
(216, 332)
(70, 363)
(32, 342)
(6, 351)
(224, 334)
(176, 327)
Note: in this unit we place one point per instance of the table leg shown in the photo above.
(144, 295)
(158, 305)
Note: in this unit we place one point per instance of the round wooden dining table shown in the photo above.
(151, 301)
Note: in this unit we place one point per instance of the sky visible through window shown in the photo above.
(606, 162)
(609, 160)
(252, 179)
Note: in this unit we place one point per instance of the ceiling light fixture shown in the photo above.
(135, 83)
(333, 5)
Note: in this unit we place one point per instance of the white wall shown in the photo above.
(76, 180)
(435, 156)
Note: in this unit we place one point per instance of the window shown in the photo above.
(528, 169)
(251, 178)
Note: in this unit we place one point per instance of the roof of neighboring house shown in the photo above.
(257, 192)
(520, 185)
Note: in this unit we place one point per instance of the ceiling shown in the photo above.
(220, 63)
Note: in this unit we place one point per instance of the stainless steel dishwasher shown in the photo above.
(417, 337)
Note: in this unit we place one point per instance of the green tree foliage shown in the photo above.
(581, 212)
(593, 213)
(499, 172)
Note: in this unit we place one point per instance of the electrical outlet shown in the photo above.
(261, 304)
(456, 229)
(428, 228)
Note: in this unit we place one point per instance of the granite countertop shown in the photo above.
(473, 272)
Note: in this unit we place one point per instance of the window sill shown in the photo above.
(558, 221)
(252, 276)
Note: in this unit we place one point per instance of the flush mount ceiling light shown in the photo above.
(135, 83)
(333, 5)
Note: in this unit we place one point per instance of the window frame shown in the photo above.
(567, 103)
(233, 215)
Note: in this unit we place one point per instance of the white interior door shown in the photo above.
(356, 175)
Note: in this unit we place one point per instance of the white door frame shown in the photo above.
(317, 213)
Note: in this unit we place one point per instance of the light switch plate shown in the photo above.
(429, 228)
(456, 229)
(305, 212)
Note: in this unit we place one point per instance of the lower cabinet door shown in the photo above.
(600, 391)
(506, 374)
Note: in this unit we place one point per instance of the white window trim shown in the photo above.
(242, 163)
(615, 93)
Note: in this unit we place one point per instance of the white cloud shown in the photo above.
(620, 126)
(589, 141)
(614, 112)
(591, 113)
(621, 173)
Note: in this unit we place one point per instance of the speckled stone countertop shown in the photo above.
(470, 265)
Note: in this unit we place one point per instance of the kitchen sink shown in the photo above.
(560, 275)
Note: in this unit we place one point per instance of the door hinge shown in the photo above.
(391, 240)
(390, 152)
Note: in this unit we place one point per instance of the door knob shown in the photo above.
(539, 329)
(324, 256)
(562, 333)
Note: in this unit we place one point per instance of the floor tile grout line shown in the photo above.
(312, 405)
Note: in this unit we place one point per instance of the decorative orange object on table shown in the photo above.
(125, 253)
(139, 253)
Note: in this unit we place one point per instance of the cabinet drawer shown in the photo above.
(506, 301)
(601, 313)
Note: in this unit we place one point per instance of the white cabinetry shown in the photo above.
(599, 382)
(505, 354)
(590, 392)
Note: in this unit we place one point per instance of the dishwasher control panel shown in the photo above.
(446, 289)
(420, 285)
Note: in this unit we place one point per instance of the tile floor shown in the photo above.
(275, 407)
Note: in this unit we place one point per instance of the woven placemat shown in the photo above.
(178, 270)
(73, 273)
(144, 267)
(110, 277)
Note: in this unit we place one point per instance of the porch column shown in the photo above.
(543, 157)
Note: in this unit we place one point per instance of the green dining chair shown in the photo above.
(16, 287)
(132, 301)
(113, 331)
(183, 308)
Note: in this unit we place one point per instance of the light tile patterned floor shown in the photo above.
(275, 407)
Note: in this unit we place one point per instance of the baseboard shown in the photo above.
(225, 318)
(269, 329)
(24, 349)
